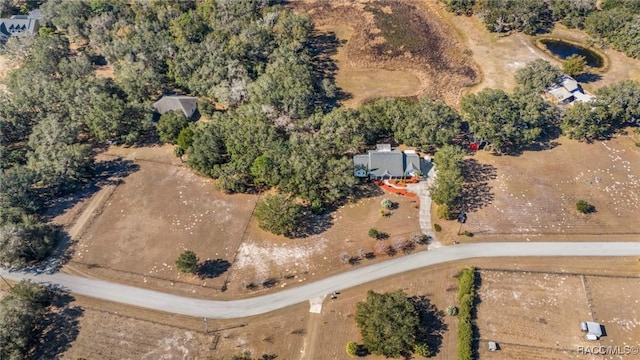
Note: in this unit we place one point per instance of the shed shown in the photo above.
(493, 346)
(187, 104)
(593, 329)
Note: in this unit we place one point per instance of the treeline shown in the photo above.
(616, 23)
(466, 302)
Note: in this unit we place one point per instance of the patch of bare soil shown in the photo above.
(394, 36)
(533, 196)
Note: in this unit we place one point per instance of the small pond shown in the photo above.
(564, 49)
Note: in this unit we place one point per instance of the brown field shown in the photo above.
(536, 315)
(159, 209)
(533, 196)
(293, 333)
(264, 256)
(392, 48)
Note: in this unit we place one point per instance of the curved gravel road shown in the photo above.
(240, 308)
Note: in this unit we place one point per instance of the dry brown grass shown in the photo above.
(392, 49)
(533, 195)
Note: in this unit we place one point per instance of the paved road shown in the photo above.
(262, 304)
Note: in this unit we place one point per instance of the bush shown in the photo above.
(187, 262)
(386, 203)
(584, 207)
(374, 233)
(467, 233)
(352, 348)
(437, 227)
(421, 350)
(452, 310)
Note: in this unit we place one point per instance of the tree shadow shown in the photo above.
(109, 172)
(367, 190)
(60, 255)
(588, 77)
(313, 224)
(476, 191)
(322, 46)
(432, 326)
(60, 326)
(213, 268)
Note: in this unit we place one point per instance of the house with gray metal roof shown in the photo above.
(187, 104)
(386, 163)
(20, 24)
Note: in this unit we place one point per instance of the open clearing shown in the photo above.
(147, 208)
(392, 48)
(533, 196)
(536, 315)
(294, 333)
(154, 212)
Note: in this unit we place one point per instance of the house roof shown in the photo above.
(389, 163)
(186, 104)
(385, 162)
(569, 83)
(17, 25)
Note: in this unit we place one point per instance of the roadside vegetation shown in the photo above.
(466, 303)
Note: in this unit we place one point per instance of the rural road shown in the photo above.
(246, 307)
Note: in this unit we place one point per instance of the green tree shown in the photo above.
(21, 314)
(460, 7)
(447, 186)
(430, 125)
(170, 125)
(572, 13)
(574, 65)
(537, 75)
(582, 122)
(207, 149)
(187, 262)
(421, 350)
(278, 214)
(388, 323)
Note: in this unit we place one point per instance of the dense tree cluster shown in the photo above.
(21, 313)
(537, 75)
(447, 186)
(388, 323)
(615, 106)
(508, 122)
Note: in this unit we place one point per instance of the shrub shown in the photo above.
(452, 310)
(386, 203)
(437, 227)
(584, 207)
(374, 233)
(444, 212)
(187, 262)
(467, 233)
(352, 348)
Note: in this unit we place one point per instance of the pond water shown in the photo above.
(563, 50)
